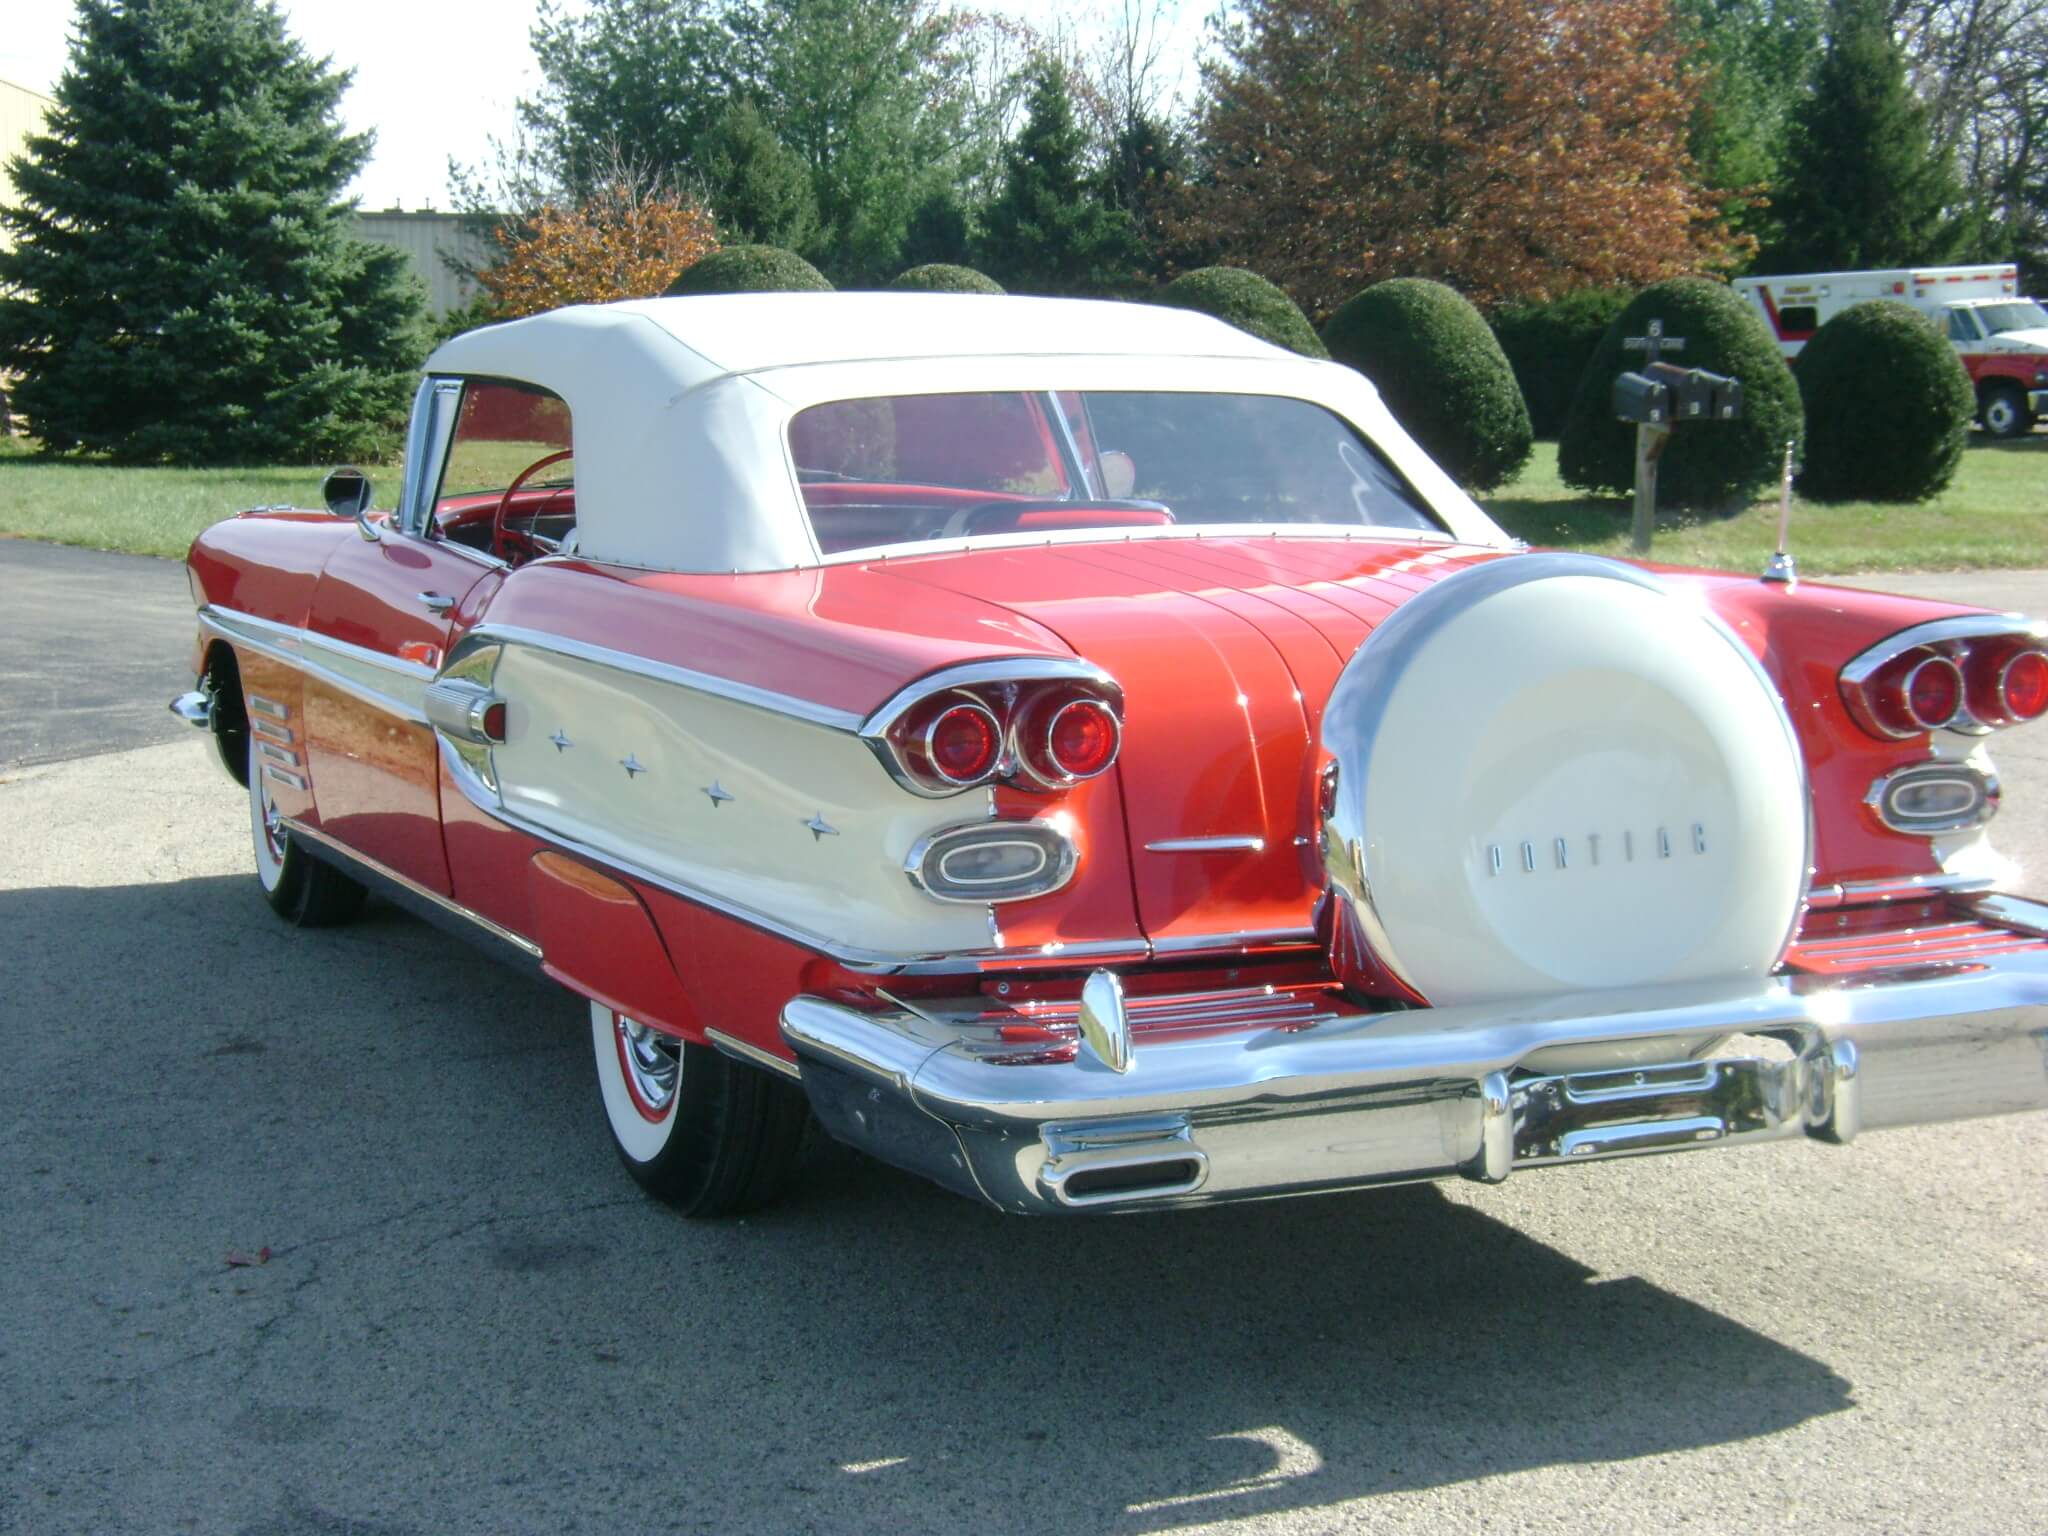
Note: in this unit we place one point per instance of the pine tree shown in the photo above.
(1049, 230)
(760, 188)
(1864, 185)
(183, 286)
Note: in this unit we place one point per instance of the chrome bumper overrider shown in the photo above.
(1348, 1101)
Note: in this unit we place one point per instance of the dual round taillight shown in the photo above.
(1045, 734)
(1925, 690)
(963, 743)
(1933, 692)
(2021, 688)
(1063, 741)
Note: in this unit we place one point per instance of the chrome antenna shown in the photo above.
(1781, 566)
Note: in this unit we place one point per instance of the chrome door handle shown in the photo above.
(437, 602)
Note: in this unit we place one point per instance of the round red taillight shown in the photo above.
(962, 744)
(1934, 692)
(1081, 739)
(2023, 686)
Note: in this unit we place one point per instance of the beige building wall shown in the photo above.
(21, 114)
(425, 237)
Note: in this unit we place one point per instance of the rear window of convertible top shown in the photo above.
(900, 469)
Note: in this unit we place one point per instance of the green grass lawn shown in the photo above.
(1995, 514)
(145, 511)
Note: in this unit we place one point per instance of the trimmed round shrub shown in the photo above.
(944, 277)
(1441, 373)
(1548, 345)
(1888, 406)
(1715, 465)
(750, 269)
(1247, 301)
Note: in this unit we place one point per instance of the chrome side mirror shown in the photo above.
(347, 493)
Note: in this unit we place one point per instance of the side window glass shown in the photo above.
(1960, 326)
(508, 485)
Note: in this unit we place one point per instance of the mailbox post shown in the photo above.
(1657, 399)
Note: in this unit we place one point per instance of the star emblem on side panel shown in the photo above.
(717, 793)
(561, 741)
(820, 828)
(632, 765)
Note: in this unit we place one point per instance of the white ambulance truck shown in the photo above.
(2001, 337)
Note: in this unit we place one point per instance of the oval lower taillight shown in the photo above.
(1081, 739)
(962, 743)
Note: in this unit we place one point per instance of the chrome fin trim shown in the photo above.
(682, 677)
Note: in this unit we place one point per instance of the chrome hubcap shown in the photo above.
(273, 829)
(653, 1063)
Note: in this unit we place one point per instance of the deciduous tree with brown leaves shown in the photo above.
(1515, 149)
(626, 241)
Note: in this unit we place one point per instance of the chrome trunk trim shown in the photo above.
(1850, 893)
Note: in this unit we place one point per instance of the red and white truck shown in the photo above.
(2001, 336)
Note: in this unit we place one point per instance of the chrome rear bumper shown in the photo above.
(1348, 1101)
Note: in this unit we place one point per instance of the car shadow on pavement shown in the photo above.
(463, 1290)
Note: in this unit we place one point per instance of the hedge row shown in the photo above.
(1881, 403)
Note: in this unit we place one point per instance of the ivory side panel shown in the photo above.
(756, 850)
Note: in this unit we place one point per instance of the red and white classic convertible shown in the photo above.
(1093, 759)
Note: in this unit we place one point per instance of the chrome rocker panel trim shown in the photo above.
(430, 905)
(1353, 1101)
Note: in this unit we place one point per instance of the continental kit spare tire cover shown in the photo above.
(1553, 775)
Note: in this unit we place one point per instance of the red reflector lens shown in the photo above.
(1934, 692)
(2023, 686)
(1082, 740)
(962, 743)
(494, 722)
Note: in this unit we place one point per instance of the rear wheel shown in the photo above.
(300, 889)
(2005, 412)
(704, 1133)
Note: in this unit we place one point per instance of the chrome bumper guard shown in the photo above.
(2037, 401)
(195, 709)
(1354, 1100)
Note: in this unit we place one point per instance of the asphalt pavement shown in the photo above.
(92, 646)
(468, 1320)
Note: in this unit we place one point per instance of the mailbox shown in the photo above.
(1727, 398)
(1691, 390)
(1642, 400)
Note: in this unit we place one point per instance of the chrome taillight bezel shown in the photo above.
(1973, 644)
(1884, 795)
(925, 864)
(1020, 694)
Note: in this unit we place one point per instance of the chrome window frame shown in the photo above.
(435, 409)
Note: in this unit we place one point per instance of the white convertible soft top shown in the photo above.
(679, 407)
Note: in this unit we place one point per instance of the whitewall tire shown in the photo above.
(707, 1134)
(300, 889)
